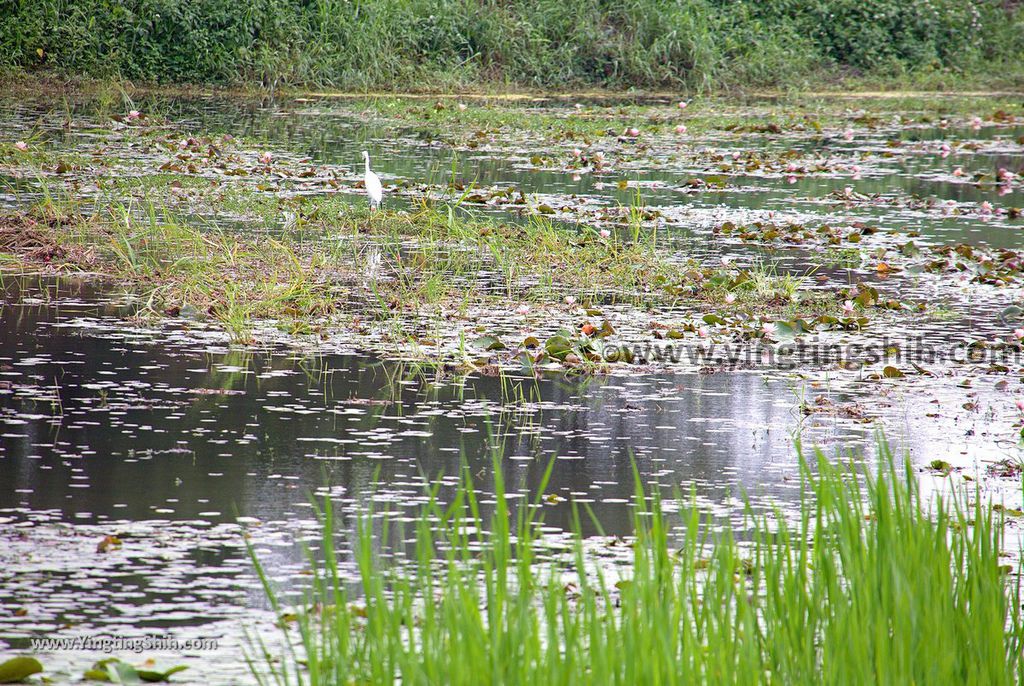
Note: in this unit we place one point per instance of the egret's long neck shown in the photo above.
(367, 160)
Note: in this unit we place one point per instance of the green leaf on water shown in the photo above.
(891, 372)
(910, 249)
(866, 297)
(1011, 312)
(112, 670)
(18, 669)
(151, 676)
(488, 343)
(558, 346)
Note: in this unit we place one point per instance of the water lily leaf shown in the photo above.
(867, 296)
(122, 673)
(558, 346)
(909, 249)
(153, 677)
(531, 342)
(891, 372)
(488, 343)
(940, 466)
(18, 669)
(713, 319)
(786, 330)
(545, 209)
(1010, 313)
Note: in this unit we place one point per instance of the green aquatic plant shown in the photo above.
(869, 582)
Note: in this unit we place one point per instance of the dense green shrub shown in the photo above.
(408, 43)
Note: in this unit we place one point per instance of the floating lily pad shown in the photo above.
(18, 669)
(488, 343)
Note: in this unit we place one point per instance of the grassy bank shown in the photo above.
(391, 277)
(403, 44)
(868, 585)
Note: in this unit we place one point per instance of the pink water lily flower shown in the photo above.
(265, 158)
(1018, 334)
(21, 145)
(848, 134)
(681, 104)
(1020, 404)
(134, 114)
(986, 207)
(632, 132)
(790, 179)
(959, 171)
(768, 328)
(730, 298)
(523, 309)
(702, 332)
(570, 300)
(681, 128)
(976, 123)
(848, 307)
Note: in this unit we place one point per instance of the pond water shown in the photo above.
(179, 444)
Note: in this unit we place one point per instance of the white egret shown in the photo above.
(374, 190)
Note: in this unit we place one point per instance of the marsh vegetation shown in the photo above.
(548, 399)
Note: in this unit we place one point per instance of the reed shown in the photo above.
(870, 583)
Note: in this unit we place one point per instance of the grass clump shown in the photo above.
(868, 584)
